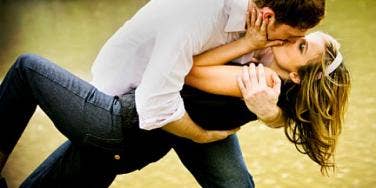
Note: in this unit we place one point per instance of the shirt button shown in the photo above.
(117, 157)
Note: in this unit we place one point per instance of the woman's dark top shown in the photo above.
(212, 112)
(216, 112)
(209, 111)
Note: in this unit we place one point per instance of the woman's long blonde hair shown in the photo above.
(320, 105)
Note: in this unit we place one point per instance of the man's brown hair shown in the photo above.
(302, 14)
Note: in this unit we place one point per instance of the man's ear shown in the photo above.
(267, 13)
(294, 76)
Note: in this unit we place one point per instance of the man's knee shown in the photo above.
(27, 61)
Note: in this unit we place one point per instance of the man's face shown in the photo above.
(276, 31)
(284, 32)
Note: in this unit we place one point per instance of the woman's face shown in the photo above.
(289, 57)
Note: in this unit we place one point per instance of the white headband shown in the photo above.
(335, 64)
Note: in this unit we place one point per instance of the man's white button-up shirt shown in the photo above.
(153, 52)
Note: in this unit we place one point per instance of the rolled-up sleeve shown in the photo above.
(158, 100)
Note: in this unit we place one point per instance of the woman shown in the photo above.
(316, 87)
(313, 123)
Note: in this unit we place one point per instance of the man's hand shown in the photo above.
(260, 98)
(186, 128)
(256, 35)
(213, 135)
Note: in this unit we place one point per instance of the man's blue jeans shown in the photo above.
(218, 165)
(103, 141)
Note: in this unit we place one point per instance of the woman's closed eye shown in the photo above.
(302, 46)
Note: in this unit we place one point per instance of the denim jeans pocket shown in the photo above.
(103, 121)
(106, 144)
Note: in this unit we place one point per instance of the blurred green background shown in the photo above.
(71, 33)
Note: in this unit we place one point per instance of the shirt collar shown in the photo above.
(237, 15)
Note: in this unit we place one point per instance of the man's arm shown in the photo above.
(186, 128)
(158, 101)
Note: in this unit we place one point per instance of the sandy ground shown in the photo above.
(71, 34)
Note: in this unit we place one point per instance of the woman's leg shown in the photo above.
(73, 166)
(77, 109)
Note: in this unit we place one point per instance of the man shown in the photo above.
(153, 53)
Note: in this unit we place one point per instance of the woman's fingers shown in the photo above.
(215, 135)
(253, 76)
(248, 17)
(253, 16)
(277, 83)
(246, 78)
(233, 131)
(261, 75)
(254, 60)
(274, 43)
(263, 25)
(259, 20)
(250, 79)
(254, 79)
(241, 85)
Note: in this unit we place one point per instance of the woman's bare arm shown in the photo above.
(211, 75)
(218, 79)
(255, 38)
(223, 54)
(222, 80)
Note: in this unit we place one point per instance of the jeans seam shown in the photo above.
(56, 82)
(102, 138)
(111, 148)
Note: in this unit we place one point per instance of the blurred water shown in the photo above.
(72, 32)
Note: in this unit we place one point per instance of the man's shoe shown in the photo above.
(3, 183)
